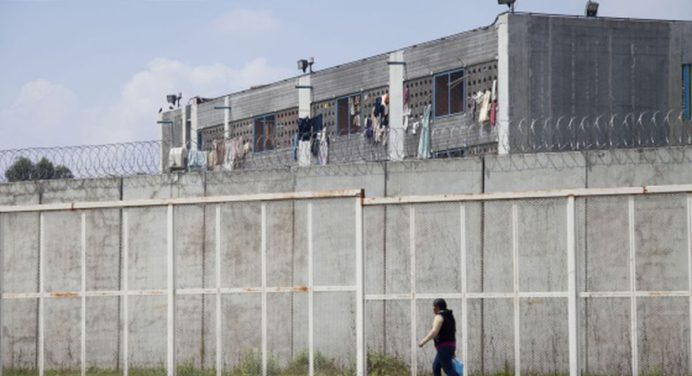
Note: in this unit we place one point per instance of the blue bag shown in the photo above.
(458, 366)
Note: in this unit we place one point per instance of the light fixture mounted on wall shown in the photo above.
(509, 3)
(174, 99)
(304, 64)
(591, 9)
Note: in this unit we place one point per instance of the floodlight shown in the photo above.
(509, 3)
(591, 9)
(303, 65)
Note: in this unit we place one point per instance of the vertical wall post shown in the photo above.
(2, 290)
(572, 299)
(412, 258)
(163, 162)
(689, 268)
(194, 125)
(396, 105)
(83, 295)
(503, 84)
(304, 95)
(360, 295)
(633, 288)
(464, 287)
(217, 245)
(185, 136)
(227, 117)
(304, 87)
(41, 301)
(515, 273)
(171, 293)
(125, 287)
(263, 267)
(311, 329)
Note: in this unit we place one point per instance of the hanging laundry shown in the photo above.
(316, 125)
(407, 116)
(315, 146)
(368, 133)
(380, 117)
(415, 126)
(176, 158)
(230, 155)
(235, 150)
(378, 129)
(424, 141)
(377, 107)
(385, 111)
(493, 104)
(324, 148)
(484, 115)
(196, 160)
(304, 157)
(294, 146)
(376, 123)
(304, 128)
(477, 100)
(407, 108)
(473, 109)
(355, 123)
(211, 160)
(220, 148)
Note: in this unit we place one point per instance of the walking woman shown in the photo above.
(443, 333)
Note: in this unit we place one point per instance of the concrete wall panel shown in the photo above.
(241, 236)
(104, 333)
(661, 242)
(544, 336)
(607, 340)
(664, 344)
(147, 332)
(20, 334)
(62, 334)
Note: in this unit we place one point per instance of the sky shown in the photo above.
(97, 71)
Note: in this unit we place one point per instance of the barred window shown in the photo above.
(687, 91)
(449, 93)
(348, 110)
(264, 133)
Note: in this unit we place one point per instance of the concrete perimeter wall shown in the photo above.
(602, 246)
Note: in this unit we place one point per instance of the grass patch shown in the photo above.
(250, 364)
(323, 367)
(386, 365)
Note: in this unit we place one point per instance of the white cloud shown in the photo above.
(245, 22)
(667, 9)
(39, 102)
(50, 114)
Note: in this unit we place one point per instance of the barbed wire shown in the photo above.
(86, 161)
(464, 138)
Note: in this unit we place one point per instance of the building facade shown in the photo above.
(483, 88)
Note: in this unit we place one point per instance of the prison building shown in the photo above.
(488, 89)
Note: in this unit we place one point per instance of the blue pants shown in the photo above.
(443, 361)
